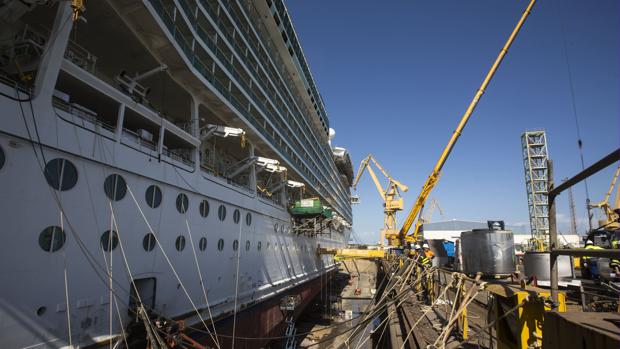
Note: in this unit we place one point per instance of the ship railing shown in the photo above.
(181, 155)
(82, 113)
(37, 37)
(222, 88)
(135, 138)
(15, 84)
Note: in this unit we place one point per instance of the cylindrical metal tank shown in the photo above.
(490, 252)
(537, 264)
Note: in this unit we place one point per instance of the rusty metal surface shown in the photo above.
(579, 330)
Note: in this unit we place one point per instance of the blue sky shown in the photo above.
(397, 76)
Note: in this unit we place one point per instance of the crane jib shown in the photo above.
(434, 176)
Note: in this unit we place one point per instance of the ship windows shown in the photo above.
(248, 219)
(179, 244)
(52, 239)
(268, 245)
(60, 174)
(2, 158)
(149, 241)
(153, 196)
(259, 245)
(275, 227)
(202, 244)
(220, 244)
(236, 216)
(204, 208)
(115, 187)
(109, 240)
(247, 245)
(235, 245)
(221, 212)
(41, 311)
(182, 203)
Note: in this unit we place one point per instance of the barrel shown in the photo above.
(537, 264)
(490, 252)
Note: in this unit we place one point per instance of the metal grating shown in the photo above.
(534, 146)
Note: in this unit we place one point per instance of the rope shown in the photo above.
(129, 273)
(170, 264)
(204, 291)
(492, 323)
(236, 288)
(424, 315)
(66, 277)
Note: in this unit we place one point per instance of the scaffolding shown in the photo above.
(534, 146)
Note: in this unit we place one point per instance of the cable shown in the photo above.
(575, 114)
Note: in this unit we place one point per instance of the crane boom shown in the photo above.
(432, 179)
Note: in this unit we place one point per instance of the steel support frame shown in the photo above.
(603, 163)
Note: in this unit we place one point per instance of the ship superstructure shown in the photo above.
(150, 153)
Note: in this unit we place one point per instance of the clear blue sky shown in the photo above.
(396, 77)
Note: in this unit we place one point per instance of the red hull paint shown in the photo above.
(265, 320)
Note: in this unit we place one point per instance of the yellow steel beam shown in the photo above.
(351, 253)
(432, 179)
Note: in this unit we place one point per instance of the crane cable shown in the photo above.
(571, 86)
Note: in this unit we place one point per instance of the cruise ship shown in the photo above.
(162, 162)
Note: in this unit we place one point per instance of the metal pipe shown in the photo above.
(432, 179)
(553, 235)
(594, 168)
(582, 252)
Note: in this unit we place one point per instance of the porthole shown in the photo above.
(204, 208)
(275, 227)
(247, 245)
(60, 174)
(153, 196)
(149, 241)
(202, 244)
(248, 219)
(258, 245)
(220, 244)
(282, 229)
(115, 187)
(236, 216)
(268, 245)
(221, 212)
(41, 311)
(2, 158)
(182, 203)
(109, 240)
(52, 238)
(179, 244)
(235, 245)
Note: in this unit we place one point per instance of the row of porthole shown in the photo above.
(62, 175)
(281, 228)
(52, 239)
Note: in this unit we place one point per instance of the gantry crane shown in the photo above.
(433, 178)
(611, 217)
(391, 196)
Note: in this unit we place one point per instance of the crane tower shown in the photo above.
(534, 146)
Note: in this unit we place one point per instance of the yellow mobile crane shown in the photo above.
(611, 217)
(391, 196)
(433, 178)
